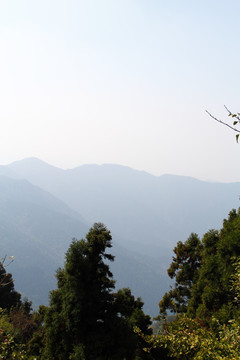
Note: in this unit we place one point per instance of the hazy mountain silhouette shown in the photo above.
(146, 214)
(139, 208)
(37, 229)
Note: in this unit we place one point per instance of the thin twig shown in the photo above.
(222, 122)
(231, 114)
(6, 275)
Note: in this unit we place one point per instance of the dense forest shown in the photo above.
(87, 319)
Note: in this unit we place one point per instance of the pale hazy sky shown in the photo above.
(121, 81)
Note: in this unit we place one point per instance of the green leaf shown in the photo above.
(237, 136)
(235, 122)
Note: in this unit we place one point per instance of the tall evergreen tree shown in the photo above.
(184, 268)
(77, 317)
(86, 320)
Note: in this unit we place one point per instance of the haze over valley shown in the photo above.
(119, 141)
(43, 207)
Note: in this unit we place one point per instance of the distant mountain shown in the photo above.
(146, 214)
(142, 210)
(37, 229)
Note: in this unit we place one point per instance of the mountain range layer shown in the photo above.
(42, 208)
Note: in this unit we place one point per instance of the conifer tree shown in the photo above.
(184, 268)
(77, 319)
(85, 319)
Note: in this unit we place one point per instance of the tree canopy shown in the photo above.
(203, 270)
(184, 268)
(86, 319)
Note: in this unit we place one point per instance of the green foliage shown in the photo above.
(9, 347)
(10, 350)
(212, 293)
(210, 328)
(8, 296)
(202, 270)
(78, 353)
(184, 269)
(21, 335)
(131, 310)
(17, 323)
(186, 339)
(236, 281)
(130, 315)
(86, 320)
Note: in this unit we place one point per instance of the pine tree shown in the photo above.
(78, 317)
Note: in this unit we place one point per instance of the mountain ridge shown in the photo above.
(87, 187)
(146, 214)
(37, 229)
(36, 161)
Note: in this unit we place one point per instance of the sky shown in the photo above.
(121, 81)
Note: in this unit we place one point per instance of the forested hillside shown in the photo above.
(205, 298)
(43, 208)
(88, 319)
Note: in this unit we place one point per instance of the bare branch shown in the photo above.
(224, 123)
(3, 281)
(3, 261)
(231, 114)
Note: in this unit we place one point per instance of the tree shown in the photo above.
(212, 292)
(8, 296)
(131, 315)
(35, 346)
(77, 317)
(16, 325)
(85, 319)
(207, 285)
(9, 347)
(209, 328)
(187, 339)
(184, 268)
(23, 322)
(203, 271)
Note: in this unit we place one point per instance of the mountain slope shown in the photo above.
(37, 229)
(142, 210)
(146, 214)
